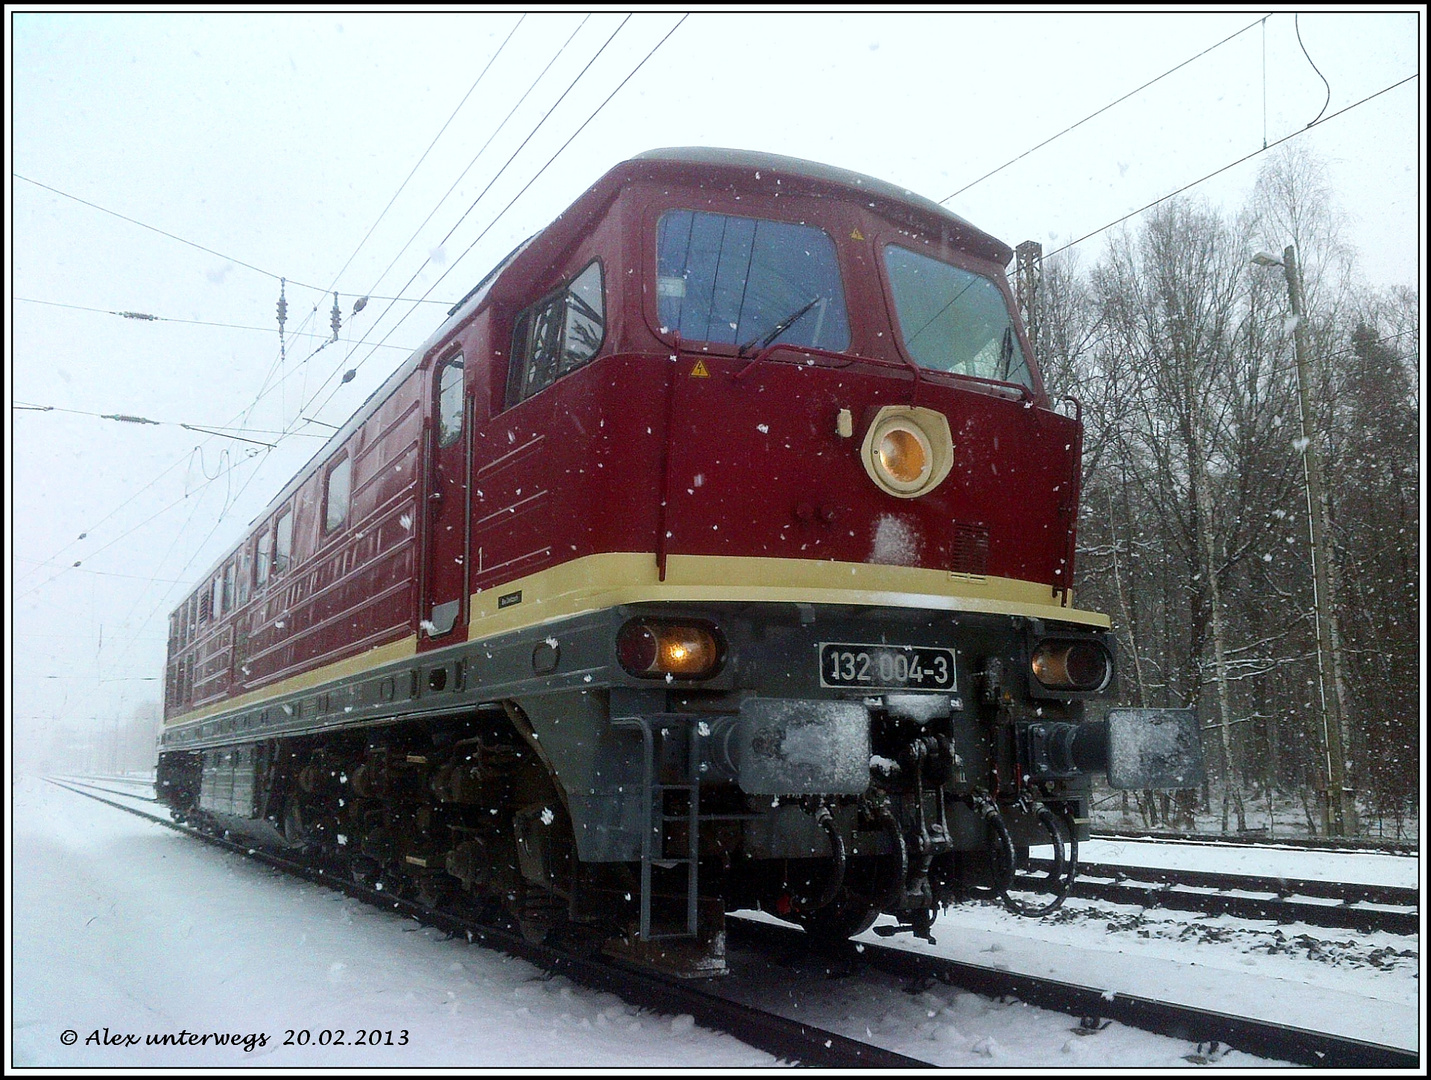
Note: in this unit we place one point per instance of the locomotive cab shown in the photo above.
(716, 552)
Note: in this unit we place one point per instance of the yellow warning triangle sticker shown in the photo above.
(857, 235)
(699, 371)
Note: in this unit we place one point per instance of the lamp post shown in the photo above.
(1323, 589)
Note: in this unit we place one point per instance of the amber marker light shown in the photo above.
(1083, 666)
(651, 649)
(908, 451)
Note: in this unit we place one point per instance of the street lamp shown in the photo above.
(1323, 589)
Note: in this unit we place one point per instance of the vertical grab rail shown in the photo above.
(693, 836)
(648, 762)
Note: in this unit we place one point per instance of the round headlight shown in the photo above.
(652, 649)
(904, 456)
(907, 451)
(1077, 665)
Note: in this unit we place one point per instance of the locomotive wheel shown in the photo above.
(295, 828)
(364, 870)
(838, 921)
(433, 890)
(538, 913)
(869, 887)
(394, 883)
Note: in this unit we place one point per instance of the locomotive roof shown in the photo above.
(755, 169)
(699, 166)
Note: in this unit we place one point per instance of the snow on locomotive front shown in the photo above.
(748, 521)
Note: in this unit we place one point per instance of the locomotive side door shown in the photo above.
(445, 581)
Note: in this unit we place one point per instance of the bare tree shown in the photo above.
(1194, 521)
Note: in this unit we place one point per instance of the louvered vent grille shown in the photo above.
(971, 550)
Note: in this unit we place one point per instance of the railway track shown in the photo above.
(1331, 904)
(91, 785)
(1091, 1007)
(793, 1040)
(784, 1038)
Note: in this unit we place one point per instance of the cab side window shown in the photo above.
(335, 498)
(449, 402)
(245, 574)
(558, 334)
(263, 559)
(283, 548)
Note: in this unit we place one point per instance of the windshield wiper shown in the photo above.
(780, 328)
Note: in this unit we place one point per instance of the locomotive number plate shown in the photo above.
(886, 667)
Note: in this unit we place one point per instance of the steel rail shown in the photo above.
(1284, 900)
(77, 782)
(1350, 844)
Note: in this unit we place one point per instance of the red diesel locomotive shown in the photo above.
(715, 552)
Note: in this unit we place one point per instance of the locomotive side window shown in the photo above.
(228, 589)
(449, 402)
(743, 281)
(283, 549)
(245, 571)
(557, 335)
(953, 319)
(261, 564)
(335, 498)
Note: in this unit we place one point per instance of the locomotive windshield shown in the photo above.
(743, 281)
(953, 319)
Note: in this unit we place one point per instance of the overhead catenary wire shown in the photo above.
(128, 532)
(477, 156)
(1297, 24)
(1231, 165)
(198, 549)
(480, 195)
(303, 366)
(264, 386)
(424, 298)
(540, 171)
(578, 131)
(175, 236)
(168, 469)
(100, 573)
(145, 317)
(413, 172)
(264, 389)
(524, 189)
(1111, 104)
(212, 429)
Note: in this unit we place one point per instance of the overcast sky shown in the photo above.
(276, 142)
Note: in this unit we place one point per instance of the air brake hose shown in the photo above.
(1001, 845)
(1063, 879)
(894, 899)
(826, 821)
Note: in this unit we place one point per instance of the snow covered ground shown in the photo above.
(125, 927)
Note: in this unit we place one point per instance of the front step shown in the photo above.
(697, 956)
